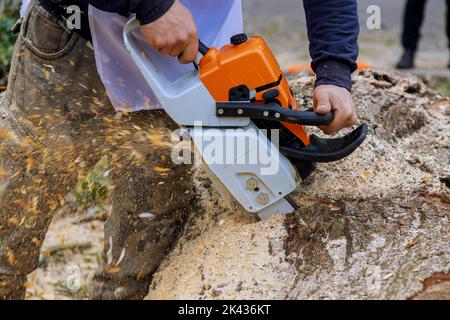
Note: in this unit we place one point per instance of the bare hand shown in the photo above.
(329, 98)
(174, 34)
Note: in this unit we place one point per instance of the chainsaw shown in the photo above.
(239, 93)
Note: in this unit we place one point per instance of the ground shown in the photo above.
(71, 254)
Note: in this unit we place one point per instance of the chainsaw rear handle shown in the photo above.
(272, 112)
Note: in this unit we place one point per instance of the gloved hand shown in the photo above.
(174, 34)
(330, 98)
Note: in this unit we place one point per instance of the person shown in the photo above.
(57, 122)
(412, 22)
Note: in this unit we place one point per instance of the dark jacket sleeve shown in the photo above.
(146, 11)
(333, 30)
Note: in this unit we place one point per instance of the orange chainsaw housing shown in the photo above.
(252, 64)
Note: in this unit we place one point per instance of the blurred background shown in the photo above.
(282, 23)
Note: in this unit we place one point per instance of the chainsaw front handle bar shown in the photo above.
(272, 112)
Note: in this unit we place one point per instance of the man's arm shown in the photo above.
(333, 29)
(167, 25)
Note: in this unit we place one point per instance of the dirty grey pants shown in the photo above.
(56, 123)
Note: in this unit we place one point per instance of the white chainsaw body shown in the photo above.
(189, 103)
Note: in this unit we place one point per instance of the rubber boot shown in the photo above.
(407, 60)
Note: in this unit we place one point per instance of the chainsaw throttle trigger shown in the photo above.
(271, 112)
(271, 95)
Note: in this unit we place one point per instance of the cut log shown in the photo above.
(372, 226)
